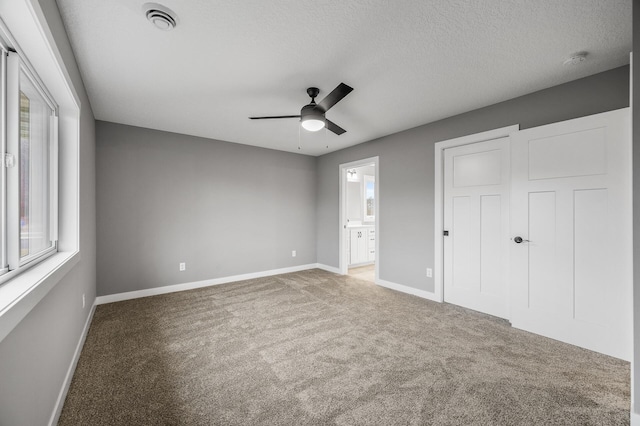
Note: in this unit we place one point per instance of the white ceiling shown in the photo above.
(410, 62)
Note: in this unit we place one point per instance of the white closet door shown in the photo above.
(571, 232)
(476, 216)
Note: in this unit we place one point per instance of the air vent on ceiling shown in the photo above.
(576, 58)
(160, 16)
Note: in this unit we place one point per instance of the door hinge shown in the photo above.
(9, 160)
(445, 233)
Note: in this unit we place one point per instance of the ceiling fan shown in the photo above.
(312, 115)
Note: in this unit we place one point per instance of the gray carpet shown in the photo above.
(314, 348)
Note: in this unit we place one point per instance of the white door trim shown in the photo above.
(438, 277)
(343, 263)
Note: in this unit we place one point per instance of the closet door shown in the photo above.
(571, 236)
(476, 217)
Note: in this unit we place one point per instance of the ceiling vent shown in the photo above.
(576, 58)
(161, 17)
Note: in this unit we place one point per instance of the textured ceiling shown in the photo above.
(410, 62)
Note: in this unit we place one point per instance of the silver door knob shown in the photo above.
(518, 240)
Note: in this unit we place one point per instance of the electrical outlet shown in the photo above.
(293, 253)
(429, 273)
(183, 266)
(83, 301)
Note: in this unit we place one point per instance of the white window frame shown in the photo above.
(24, 26)
(15, 65)
(4, 51)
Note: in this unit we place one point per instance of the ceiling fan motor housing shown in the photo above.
(312, 118)
(311, 110)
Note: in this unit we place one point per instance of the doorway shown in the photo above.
(359, 218)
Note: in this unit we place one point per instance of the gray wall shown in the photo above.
(35, 356)
(635, 379)
(407, 170)
(224, 209)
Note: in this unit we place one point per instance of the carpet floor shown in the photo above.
(315, 348)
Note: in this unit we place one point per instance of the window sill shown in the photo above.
(21, 294)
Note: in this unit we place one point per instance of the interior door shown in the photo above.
(476, 217)
(571, 229)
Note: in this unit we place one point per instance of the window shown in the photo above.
(369, 198)
(28, 170)
(36, 257)
(33, 150)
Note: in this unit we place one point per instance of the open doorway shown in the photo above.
(359, 200)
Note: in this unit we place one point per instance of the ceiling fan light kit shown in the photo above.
(312, 116)
(312, 124)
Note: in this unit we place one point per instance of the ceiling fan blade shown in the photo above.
(335, 128)
(334, 97)
(275, 116)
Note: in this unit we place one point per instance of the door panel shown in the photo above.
(353, 247)
(363, 253)
(481, 168)
(571, 197)
(463, 270)
(476, 213)
(590, 242)
(544, 271)
(490, 242)
(579, 153)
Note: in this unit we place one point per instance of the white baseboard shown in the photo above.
(110, 298)
(409, 290)
(635, 419)
(328, 268)
(57, 409)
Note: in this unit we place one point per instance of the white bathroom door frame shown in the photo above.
(343, 265)
(440, 147)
